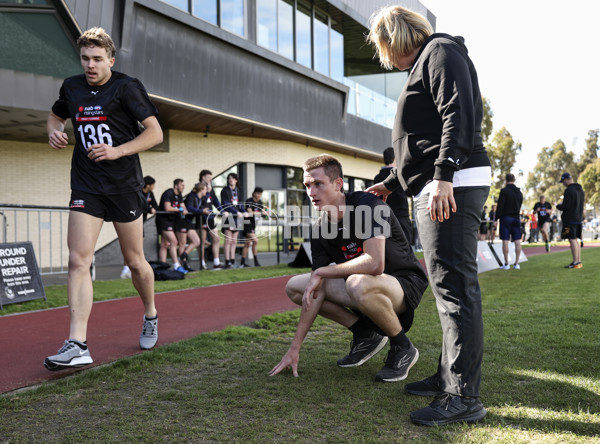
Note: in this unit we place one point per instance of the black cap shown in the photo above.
(565, 176)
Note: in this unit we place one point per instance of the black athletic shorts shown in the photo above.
(164, 223)
(414, 287)
(571, 231)
(125, 207)
(183, 224)
(208, 222)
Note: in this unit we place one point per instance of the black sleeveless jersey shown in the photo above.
(104, 114)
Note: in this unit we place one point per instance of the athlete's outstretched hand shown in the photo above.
(290, 359)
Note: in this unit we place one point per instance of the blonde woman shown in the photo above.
(442, 162)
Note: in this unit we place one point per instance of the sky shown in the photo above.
(538, 63)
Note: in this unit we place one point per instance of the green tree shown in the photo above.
(502, 152)
(590, 155)
(552, 162)
(486, 123)
(590, 181)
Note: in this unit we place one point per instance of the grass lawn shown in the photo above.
(541, 378)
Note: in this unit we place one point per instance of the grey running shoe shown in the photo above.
(149, 335)
(363, 349)
(447, 409)
(70, 355)
(397, 364)
(427, 387)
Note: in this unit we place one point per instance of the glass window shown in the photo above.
(285, 28)
(321, 43)
(206, 10)
(266, 17)
(43, 46)
(360, 184)
(181, 4)
(295, 178)
(337, 55)
(303, 35)
(233, 13)
(24, 2)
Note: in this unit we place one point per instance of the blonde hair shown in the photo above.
(331, 166)
(199, 187)
(394, 29)
(97, 37)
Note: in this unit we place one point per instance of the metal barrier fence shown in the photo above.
(44, 226)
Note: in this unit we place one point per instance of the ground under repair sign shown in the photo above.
(20, 279)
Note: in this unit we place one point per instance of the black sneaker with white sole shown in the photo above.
(427, 387)
(397, 364)
(70, 355)
(363, 349)
(448, 409)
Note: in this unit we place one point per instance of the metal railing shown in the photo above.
(44, 226)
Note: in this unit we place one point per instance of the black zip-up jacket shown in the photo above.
(509, 202)
(572, 204)
(437, 129)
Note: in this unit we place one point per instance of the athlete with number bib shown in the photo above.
(106, 108)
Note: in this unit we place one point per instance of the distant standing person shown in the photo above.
(105, 108)
(255, 210)
(397, 200)
(509, 207)
(572, 217)
(523, 218)
(483, 225)
(210, 201)
(544, 212)
(493, 224)
(232, 210)
(193, 219)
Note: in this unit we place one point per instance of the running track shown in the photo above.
(114, 326)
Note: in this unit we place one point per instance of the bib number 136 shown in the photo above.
(93, 135)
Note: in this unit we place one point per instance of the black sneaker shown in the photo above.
(363, 349)
(447, 409)
(427, 387)
(397, 364)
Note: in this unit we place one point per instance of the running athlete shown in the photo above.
(365, 275)
(544, 212)
(106, 108)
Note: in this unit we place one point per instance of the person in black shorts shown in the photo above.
(106, 108)
(170, 220)
(544, 213)
(484, 225)
(193, 205)
(210, 201)
(232, 210)
(572, 217)
(374, 282)
(254, 209)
